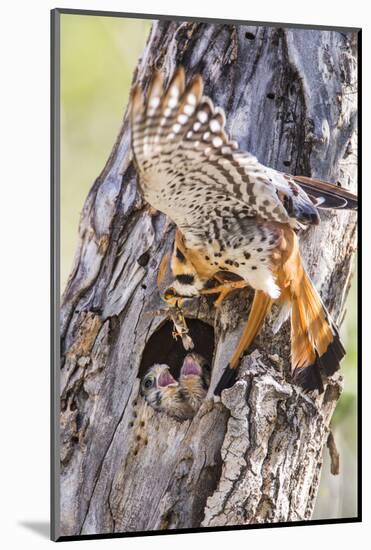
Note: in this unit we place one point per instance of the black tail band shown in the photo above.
(227, 380)
(309, 378)
(329, 361)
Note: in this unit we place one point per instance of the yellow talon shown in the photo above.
(224, 289)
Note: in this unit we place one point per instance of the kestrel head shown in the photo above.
(157, 379)
(162, 392)
(194, 379)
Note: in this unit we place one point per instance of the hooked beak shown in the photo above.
(172, 298)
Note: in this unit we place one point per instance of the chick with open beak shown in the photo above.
(163, 393)
(194, 380)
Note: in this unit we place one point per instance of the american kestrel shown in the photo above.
(162, 393)
(194, 380)
(233, 215)
(182, 399)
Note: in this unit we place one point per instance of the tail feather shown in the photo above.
(309, 378)
(226, 381)
(327, 195)
(259, 309)
(329, 361)
(316, 345)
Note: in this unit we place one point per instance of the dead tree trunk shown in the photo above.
(290, 99)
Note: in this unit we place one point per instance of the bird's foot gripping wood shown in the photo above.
(224, 289)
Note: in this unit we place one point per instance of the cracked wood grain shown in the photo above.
(254, 457)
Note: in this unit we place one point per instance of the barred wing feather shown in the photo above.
(190, 169)
(185, 158)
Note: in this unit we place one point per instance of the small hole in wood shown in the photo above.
(143, 259)
(250, 36)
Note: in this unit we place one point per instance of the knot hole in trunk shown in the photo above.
(163, 348)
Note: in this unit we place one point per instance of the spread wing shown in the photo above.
(190, 169)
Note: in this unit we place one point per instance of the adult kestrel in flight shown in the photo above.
(233, 215)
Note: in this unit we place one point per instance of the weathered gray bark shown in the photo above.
(290, 99)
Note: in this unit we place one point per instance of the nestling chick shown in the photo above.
(194, 380)
(163, 393)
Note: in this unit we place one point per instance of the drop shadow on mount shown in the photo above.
(41, 528)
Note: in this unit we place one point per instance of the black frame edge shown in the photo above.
(359, 275)
(131, 15)
(308, 523)
(54, 273)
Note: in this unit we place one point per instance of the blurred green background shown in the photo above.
(98, 56)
